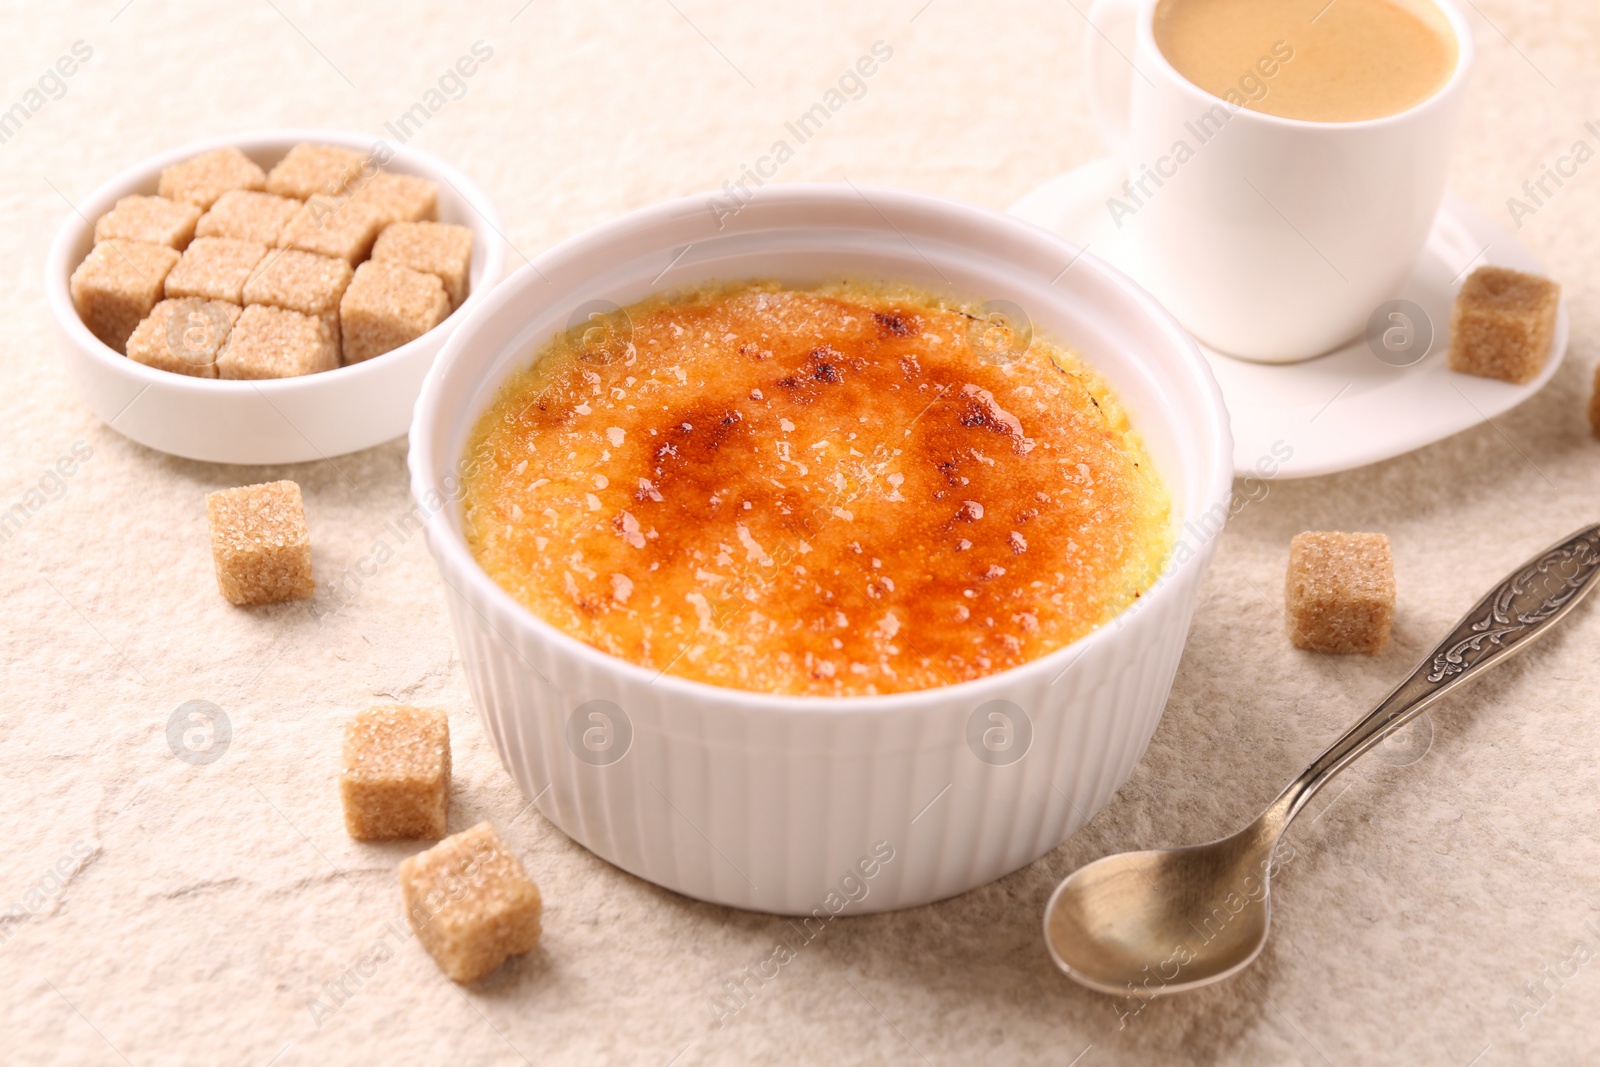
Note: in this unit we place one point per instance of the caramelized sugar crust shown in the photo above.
(812, 492)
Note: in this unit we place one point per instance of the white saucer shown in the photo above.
(1348, 408)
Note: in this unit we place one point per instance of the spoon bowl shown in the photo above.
(1167, 920)
(1164, 920)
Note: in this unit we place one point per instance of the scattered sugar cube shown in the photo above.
(1503, 324)
(436, 248)
(470, 903)
(395, 779)
(268, 342)
(215, 268)
(339, 227)
(303, 282)
(248, 216)
(1340, 592)
(1594, 404)
(117, 285)
(315, 170)
(201, 180)
(387, 306)
(154, 220)
(398, 197)
(260, 544)
(183, 336)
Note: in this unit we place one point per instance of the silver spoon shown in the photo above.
(1168, 920)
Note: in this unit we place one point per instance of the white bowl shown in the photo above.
(285, 420)
(774, 802)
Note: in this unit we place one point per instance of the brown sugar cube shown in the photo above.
(215, 268)
(1503, 324)
(154, 220)
(395, 776)
(303, 282)
(117, 285)
(436, 248)
(248, 216)
(315, 170)
(338, 227)
(201, 180)
(268, 342)
(1340, 592)
(470, 903)
(1594, 404)
(183, 336)
(398, 197)
(387, 306)
(259, 543)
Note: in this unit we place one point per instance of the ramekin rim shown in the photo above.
(454, 560)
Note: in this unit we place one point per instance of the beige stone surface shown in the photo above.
(160, 911)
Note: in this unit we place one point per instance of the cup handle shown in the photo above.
(1108, 52)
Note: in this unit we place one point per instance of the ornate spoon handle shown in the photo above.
(1531, 600)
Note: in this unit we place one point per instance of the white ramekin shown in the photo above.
(285, 420)
(782, 804)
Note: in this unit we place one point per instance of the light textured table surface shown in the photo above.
(210, 910)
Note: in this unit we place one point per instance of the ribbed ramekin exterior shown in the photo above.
(771, 810)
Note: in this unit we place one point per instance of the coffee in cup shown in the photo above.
(1345, 61)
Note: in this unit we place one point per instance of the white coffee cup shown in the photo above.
(1271, 239)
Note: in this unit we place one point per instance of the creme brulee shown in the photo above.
(822, 492)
